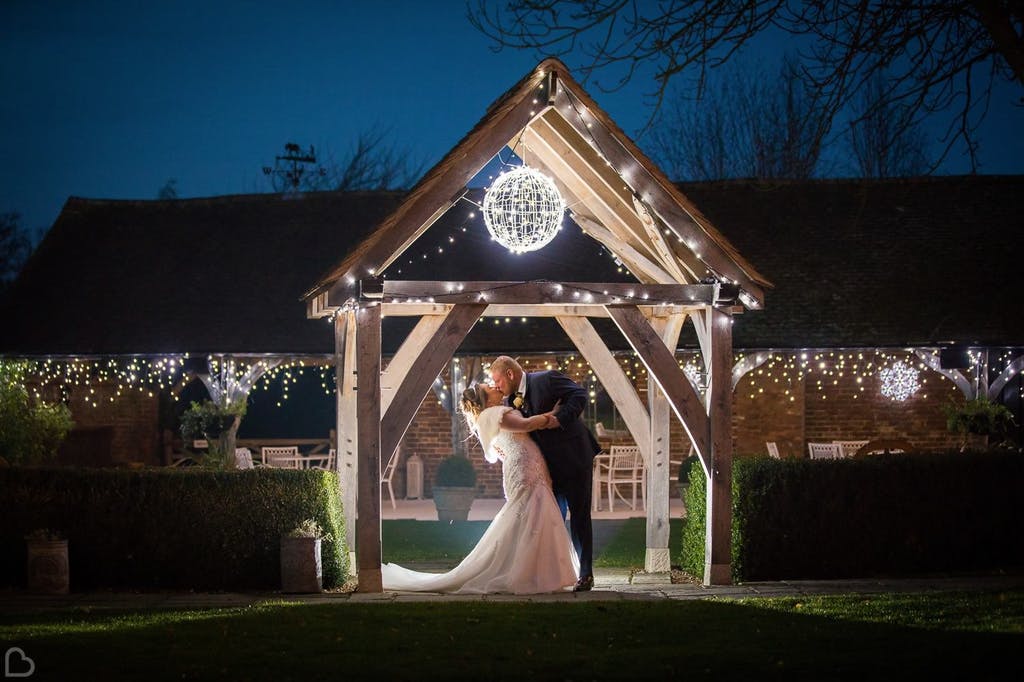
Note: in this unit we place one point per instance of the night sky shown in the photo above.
(108, 99)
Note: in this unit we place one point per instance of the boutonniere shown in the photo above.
(517, 402)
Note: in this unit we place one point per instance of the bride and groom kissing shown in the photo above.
(531, 423)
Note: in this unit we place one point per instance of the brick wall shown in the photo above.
(118, 431)
(430, 437)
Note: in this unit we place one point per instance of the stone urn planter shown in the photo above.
(47, 564)
(454, 488)
(453, 502)
(301, 566)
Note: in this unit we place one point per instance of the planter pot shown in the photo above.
(48, 566)
(301, 570)
(453, 503)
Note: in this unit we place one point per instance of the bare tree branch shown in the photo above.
(939, 56)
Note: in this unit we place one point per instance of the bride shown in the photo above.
(526, 549)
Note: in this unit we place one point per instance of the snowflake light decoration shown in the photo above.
(523, 210)
(899, 381)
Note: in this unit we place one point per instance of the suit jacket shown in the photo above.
(569, 451)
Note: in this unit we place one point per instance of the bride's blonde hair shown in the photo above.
(474, 400)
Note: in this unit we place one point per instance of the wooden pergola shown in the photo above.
(685, 269)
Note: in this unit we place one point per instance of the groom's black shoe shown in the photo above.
(584, 584)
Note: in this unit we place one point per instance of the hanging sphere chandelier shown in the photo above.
(523, 210)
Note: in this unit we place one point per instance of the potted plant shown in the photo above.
(454, 488)
(301, 568)
(217, 425)
(47, 563)
(976, 420)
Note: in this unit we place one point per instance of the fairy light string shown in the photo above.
(817, 374)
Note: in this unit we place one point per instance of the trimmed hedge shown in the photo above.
(169, 528)
(882, 515)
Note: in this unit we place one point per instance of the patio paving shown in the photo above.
(610, 585)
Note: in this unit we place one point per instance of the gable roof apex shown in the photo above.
(618, 194)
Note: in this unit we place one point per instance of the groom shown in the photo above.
(567, 444)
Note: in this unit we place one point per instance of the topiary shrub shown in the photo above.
(455, 471)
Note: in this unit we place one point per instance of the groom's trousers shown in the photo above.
(577, 498)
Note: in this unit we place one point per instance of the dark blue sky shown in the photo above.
(112, 99)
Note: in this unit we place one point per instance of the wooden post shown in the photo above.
(368, 450)
(718, 539)
(345, 425)
(658, 558)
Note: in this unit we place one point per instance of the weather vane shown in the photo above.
(289, 170)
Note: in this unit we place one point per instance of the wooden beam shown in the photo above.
(665, 252)
(635, 261)
(718, 538)
(368, 440)
(748, 364)
(1011, 370)
(429, 363)
(610, 374)
(438, 190)
(406, 356)
(625, 189)
(563, 293)
(663, 368)
(657, 558)
(528, 310)
(345, 426)
(572, 172)
(659, 198)
(639, 264)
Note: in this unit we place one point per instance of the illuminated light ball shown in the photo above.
(523, 210)
(899, 381)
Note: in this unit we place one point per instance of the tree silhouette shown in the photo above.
(883, 146)
(748, 125)
(370, 163)
(15, 247)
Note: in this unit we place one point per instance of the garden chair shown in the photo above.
(850, 447)
(625, 467)
(825, 451)
(326, 463)
(773, 449)
(280, 457)
(388, 474)
(611, 434)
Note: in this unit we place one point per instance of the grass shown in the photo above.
(406, 541)
(972, 635)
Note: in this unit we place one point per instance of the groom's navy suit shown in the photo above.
(569, 452)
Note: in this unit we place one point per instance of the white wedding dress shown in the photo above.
(526, 549)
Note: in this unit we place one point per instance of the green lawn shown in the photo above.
(858, 637)
(447, 543)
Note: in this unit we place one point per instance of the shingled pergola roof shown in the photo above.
(855, 263)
